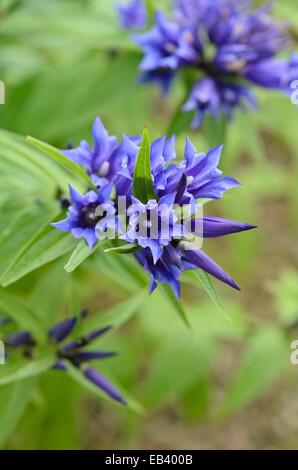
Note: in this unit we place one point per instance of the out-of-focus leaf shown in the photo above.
(118, 314)
(47, 296)
(13, 373)
(266, 356)
(19, 395)
(215, 130)
(122, 270)
(180, 122)
(20, 312)
(196, 399)
(285, 293)
(175, 303)
(177, 366)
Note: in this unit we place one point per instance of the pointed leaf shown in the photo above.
(124, 249)
(19, 396)
(209, 288)
(176, 304)
(116, 315)
(50, 245)
(13, 373)
(60, 158)
(142, 178)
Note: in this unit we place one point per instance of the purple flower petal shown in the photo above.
(202, 261)
(86, 356)
(101, 382)
(63, 329)
(19, 339)
(218, 227)
(97, 333)
(60, 365)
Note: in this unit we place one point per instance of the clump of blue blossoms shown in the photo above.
(68, 351)
(133, 15)
(152, 225)
(225, 47)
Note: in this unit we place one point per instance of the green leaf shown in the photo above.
(177, 366)
(175, 303)
(61, 159)
(150, 11)
(50, 245)
(118, 314)
(15, 372)
(266, 357)
(124, 249)
(122, 270)
(180, 122)
(21, 313)
(80, 253)
(26, 165)
(215, 130)
(209, 288)
(48, 307)
(197, 399)
(21, 230)
(20, 394)
(142, 178)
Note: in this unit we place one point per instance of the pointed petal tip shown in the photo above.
(235, 286)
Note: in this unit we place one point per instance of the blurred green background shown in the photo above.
(228, 384)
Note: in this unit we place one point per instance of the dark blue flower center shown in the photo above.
(89, 217)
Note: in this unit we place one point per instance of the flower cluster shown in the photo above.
(225, 45)
(133, 15)
(69, 351)
(153, 227)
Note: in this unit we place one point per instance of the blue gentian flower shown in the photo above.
(179, 257)
(97, 160)
(225, 46)
(155, 228)
(133, 15)
(209, 96)
(167, 47)
(153, 225)
(72, 352)
(203, 179)
(84, 219)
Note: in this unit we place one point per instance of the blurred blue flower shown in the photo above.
(225, 45)
(167, 47)
(210, 96)
(72, 352)
(133, 15)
